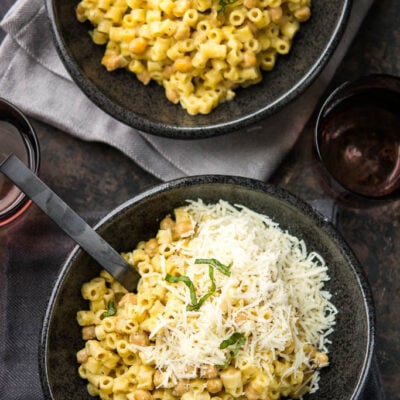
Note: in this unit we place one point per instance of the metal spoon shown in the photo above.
(70, 222)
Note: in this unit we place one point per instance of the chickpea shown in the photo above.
(114, 61)
(253, 27)
(167, 73)
(303, 14)
(157, 378)
(183, 229)
(321, 359)
(275, 14)
(88, 332)
(250, 59)
(151, 247)
(209, 371)
(214, 385)
(181, 388)
(128, 298)
(172, 95)
(190, 369)
(139, 338)
(81, 13)
(167, 223)
(144, 77)
(82, 356)
(250, 3)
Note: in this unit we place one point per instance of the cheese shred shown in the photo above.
(273, 299)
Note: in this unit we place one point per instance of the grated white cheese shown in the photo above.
(274, 296)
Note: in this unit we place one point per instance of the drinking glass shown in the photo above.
(357, 136)
(18, 137)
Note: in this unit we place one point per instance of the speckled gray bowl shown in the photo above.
(138, 219)
(146, 108)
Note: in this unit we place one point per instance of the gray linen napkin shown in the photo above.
(34, 79)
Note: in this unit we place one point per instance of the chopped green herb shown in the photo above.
(223, 4)
(111, 310)
(186, 280)
(208, 294)
(225, 269)
(236, 339)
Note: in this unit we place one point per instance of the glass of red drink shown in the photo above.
(357, 135)
(18, 137)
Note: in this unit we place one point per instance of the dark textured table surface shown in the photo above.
(94, 178)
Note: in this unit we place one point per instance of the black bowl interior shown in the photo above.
(146, 108)
(138, 219)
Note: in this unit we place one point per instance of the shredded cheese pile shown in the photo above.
(274, 296)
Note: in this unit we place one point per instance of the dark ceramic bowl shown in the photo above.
(138, 219)
(146, 108)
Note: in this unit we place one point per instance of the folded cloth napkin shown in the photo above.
(34, 79)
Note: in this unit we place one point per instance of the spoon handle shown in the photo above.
(70, 222)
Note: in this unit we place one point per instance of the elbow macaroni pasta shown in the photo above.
(181, 43)
(116, 361)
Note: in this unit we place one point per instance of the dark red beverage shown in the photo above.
(359, 141)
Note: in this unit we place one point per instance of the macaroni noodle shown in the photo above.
(229, 306)
(200, 51)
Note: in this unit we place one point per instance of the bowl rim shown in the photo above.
(278, 193)
(194, 132)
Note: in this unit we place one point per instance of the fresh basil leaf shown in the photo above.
(225, 269)
(111, 310)
(186, 280)
(237, 339)
(196, 306)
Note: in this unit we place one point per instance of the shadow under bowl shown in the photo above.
(146, 108)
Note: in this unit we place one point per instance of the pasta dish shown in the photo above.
(229, 306)
(200, 51)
